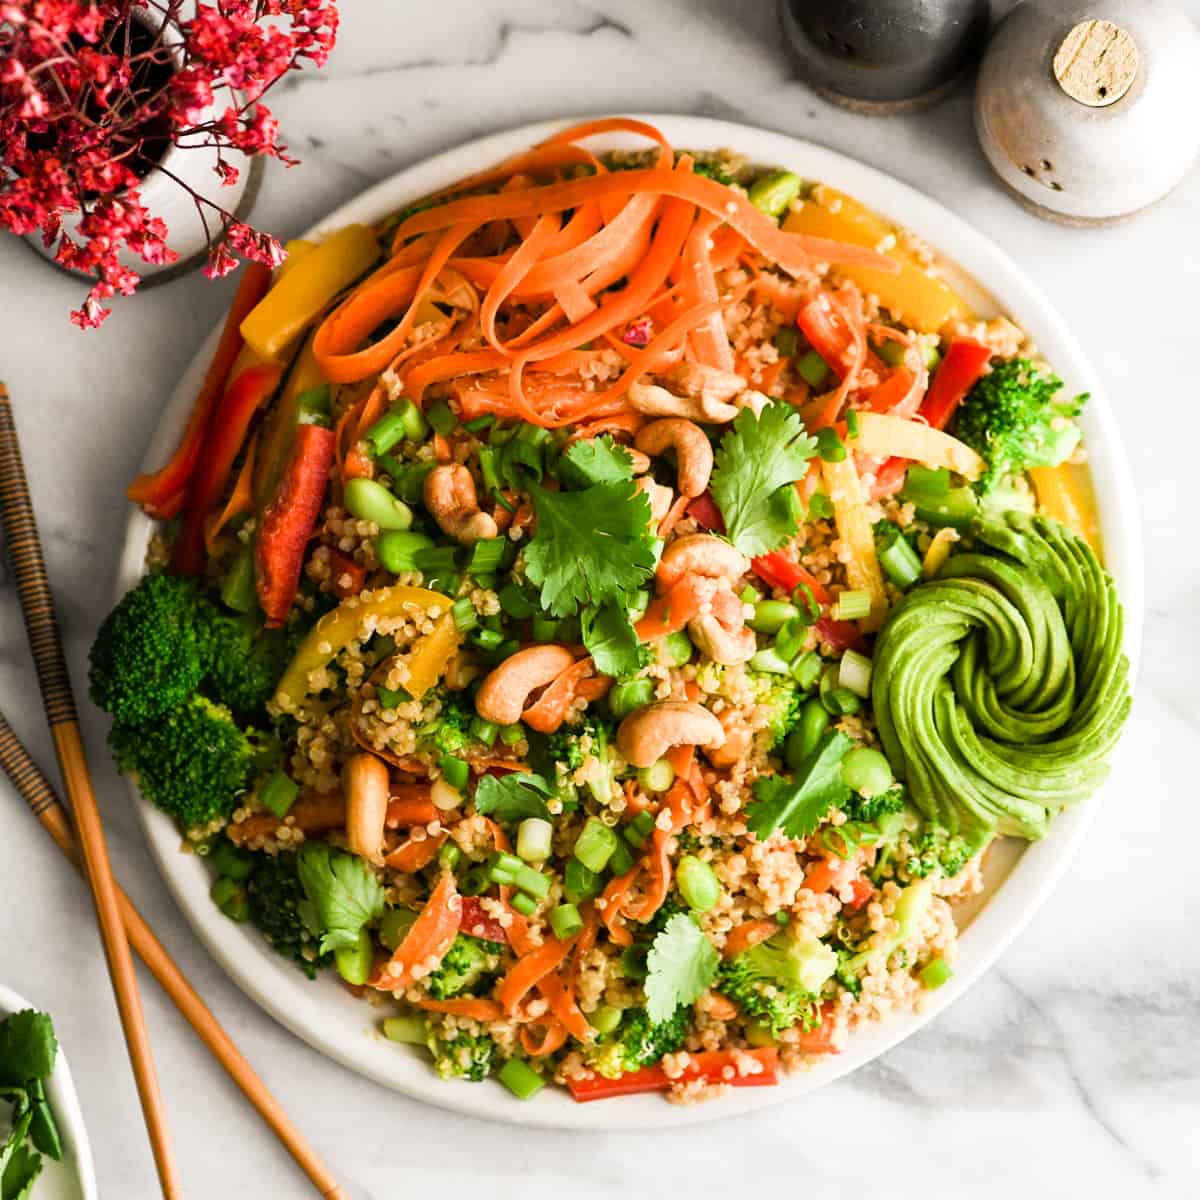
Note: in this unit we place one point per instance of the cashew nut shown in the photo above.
(738, 739)
(754, 401)
(656, 401)
(701, 554)
(660, 498)
(646, 735)
(725, 646)
(640, 461)
(366, 788)
(503, 695)
(693, 450)
(451, 500)
(710, 383)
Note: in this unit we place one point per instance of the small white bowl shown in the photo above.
(74, 1176)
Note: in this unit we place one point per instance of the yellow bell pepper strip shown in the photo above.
(939, 551)
(223, 441)
(1065, 494)
(296, 249)
(863, 573)
(883, 436)
(163, 490)
(304, 386)
(300, 294)
(352, 618)
(911, 294)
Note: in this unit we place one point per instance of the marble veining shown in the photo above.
(1072, 1069)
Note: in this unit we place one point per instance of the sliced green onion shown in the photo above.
(230, 897)
(782, 917)
(386, 432)
(408, 1031)
(534, 836)
(525, 904)
(515, 603)
(487, 639)
(532, 882)
(416, 428)
(622, 859)
(829, 446)
(438, 560)
(520, 1079)
(637, 832)
(813, 369)
(935, 972)
(238, 589)
(483, 731)
(820, 507)
(580, 883)
(629, 696)
(772, 193)
(638, 603)
(441, 418)
(312, 406)
(465, 617)
(854, 672)
(605, 1019)
(279, 793)
(506, 862)
(838, 701)
(698, 883)
(851, 423)
(497, 654)
(448, 854)
(510, 735)
(486, 555)
(565, 921)
(455, 771)
(771, 615)
(657, 777)
(749, 594)
(790, 639)
(595, 845)
(475, 882)
(489, 469)
(803, 598)
(806, 670)
(769, 660)
(231, 862)
(480, 424)
(932, 481)
(390, 697)
(900, 561)
(852, 605)
(544, 629)
(786, 340)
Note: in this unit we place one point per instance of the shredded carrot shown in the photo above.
(410, 804)
(562, 1004)
(613, 897)
(426, 943)
(475, 1008)
(554, 1037)
(657, 863)
(412, 856)
(240, 502)
(529, 970)
(674, 515)
(749, 933)
(550, 709)
(310, 814)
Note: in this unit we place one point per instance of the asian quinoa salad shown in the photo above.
(604, 613)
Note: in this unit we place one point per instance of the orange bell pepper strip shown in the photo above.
(165, 487)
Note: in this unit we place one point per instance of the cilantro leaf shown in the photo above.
(595, 460)
(758, 461)
(682, 962)
(19, 1170)
(593, 546)
(609, 637)
(797, 805)
(343, 890)
(27, 1047)
(511, 798)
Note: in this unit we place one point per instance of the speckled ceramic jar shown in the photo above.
(1088, 109)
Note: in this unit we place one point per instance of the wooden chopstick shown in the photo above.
(45, 805)
(41, 625)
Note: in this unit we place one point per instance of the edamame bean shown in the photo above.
(770, 616)
(802, 741)
(867, 771)
(698, 883)
(371, 501)
(395, 549)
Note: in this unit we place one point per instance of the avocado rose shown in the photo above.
(999, 686)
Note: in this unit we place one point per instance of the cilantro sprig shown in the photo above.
(681, 964)
(611, 640)
(28, 1049)
(343, 890)
(512, 798)
(797, 805)
(757, 464)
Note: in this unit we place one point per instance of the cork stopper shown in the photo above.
(1096, 63)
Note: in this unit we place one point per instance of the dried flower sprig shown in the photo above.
(92, 92)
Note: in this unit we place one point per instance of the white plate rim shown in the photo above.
(341, 1027)
(64, 1103)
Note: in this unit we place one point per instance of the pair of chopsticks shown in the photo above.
(120, 923)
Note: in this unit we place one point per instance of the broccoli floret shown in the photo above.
(192, 762)
(461, 1055)
(467, 963)
(937, 851)
(1011, 418)
(869, 810)
(589, 739)
(242, 661)
(146, 656)
(638, 1042)
(782, 697)
(450, 731)
(713, 170)
(776, 983)
(284, 914)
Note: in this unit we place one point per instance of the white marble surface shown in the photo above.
(1072, 1069)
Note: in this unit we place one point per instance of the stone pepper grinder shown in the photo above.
(884, 56)
(1087, 109)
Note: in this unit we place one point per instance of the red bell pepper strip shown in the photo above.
(162, 490)
(225, 438)
(478, 923)
(704, 511)
(711, 1066)
(957, 374)
(289, 520)
(820, 1039)
(779, 570)
(348, 576)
